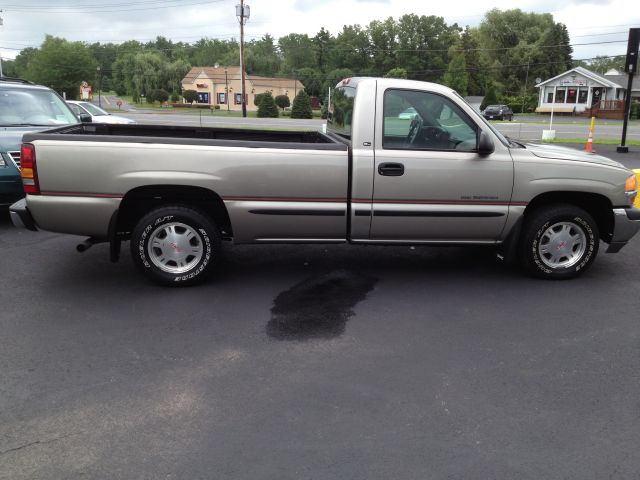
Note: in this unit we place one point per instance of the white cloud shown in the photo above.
(197, 18)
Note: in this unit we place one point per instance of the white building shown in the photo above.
(579, 89)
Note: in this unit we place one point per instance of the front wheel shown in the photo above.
(559, 242)
(175, 245)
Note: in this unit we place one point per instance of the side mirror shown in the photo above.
(85, 118)
(485, 144)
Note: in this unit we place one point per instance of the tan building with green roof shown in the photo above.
(216, 85)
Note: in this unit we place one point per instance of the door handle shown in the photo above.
(390, 169)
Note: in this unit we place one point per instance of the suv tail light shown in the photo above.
(29, 171)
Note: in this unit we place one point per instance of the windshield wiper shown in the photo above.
(514, 143)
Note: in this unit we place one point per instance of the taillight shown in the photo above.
(28, 169)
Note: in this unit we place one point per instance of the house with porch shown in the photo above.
(222, 86)
(582, 92)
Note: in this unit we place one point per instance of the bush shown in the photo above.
(190, 96)
(175, 97)
(635, 111)
(267, 107)
(301, 106)
(283, 101)
(158, 95)
(258, 98)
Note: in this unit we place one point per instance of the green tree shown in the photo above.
(423, 42)
(476, 68)
(283, 101)
(301, 106)
(261, 57)
(600, 64)
(456, 76)
(297, 51)
(312, 80)
(523, 43)
(351, 49)
(267, 107)
(383, 44)
(62, 65)
(490, 98)
(158, 95)
(322, 43)
(396, 73)
(190, 96)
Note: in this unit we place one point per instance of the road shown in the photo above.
(522, 128)
(328, 362)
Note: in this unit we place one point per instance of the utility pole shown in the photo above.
(1, 74)
(526, 79)
(242, 12)
(226, 88)
(631, 66)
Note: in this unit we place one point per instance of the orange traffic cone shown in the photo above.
(589, 148)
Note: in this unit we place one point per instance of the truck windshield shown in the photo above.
(340, 111)
(22, 106)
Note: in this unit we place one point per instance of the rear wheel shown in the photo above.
(559, 242)
(175, 245)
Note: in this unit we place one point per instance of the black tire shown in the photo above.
(191, 250)
(559, 242)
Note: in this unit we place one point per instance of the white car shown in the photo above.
(98, 115)
(408, 114)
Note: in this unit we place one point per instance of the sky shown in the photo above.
(596, 27)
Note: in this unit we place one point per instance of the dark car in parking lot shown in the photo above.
(498, 112)
(24, 108)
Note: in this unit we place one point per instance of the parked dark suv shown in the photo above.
(24, 107)
(498, 112)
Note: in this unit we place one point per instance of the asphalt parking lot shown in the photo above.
(316, 362)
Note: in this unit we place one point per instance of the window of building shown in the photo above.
(572, 95)
(549, 94)
(417, 120)
(238, 98)
(560, 95)
(222, 98)
(583, 93)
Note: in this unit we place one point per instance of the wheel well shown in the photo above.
(598, 206)
(137, 202)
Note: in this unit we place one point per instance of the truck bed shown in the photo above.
(181, 135)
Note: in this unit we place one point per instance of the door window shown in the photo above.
(418, 120)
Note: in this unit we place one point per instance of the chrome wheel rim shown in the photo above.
(175, 248)
(562, 245)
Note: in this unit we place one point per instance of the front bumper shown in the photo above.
(626, 225)
(20, 215)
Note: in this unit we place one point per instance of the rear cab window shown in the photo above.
(340, 109)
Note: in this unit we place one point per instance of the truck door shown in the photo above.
(430, 184)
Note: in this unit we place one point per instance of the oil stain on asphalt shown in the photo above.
(318, 307)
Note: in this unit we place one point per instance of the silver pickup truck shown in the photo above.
(402, 162)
